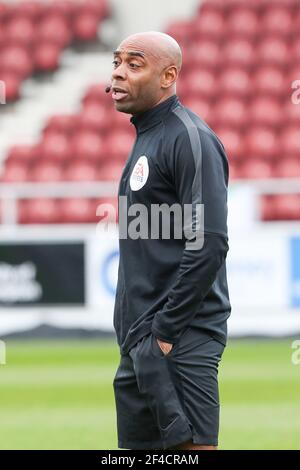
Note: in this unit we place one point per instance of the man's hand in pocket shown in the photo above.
(165, 347)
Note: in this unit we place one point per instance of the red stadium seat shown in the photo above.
(180, 30)
(233, 171)
(4, 9)
(239, 52)
(110, 171)
(265, 110)
(277, 20)
(290, 4)
(22, 154)
(200, 106)
(121, 121)
(88, 145)
(209, 24)
(39, 211)
(289, 140)
(16, 172)
(295, 50)
(288, 167)
(78, 210)
(267, 208)
(242, 22)
(235, 81)
(292, 113)
(3, 38)
(261, 142)
(232, 5)
(16, 59)
(85, 27)
(47, 57)
(185, 49)
(181, 90)
(232, 141)
(94, 117)
(55, 146)
(269, 80)
(63, 123)
(96, 93)
(118, 145)
(62, 8)
(296, 22)
(294, 75)
(204, 54)
(201, 83)
(255, 169)
(211, 5)
(231, 112)
(54, 30)
(81, 170)
(12, 86)
(273, 51)
(29, 9)
(46, 172)
(98, 8)
(287, 206)
(20, 31)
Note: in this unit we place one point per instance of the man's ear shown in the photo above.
(169, 76)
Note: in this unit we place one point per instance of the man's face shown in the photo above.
(138, 74)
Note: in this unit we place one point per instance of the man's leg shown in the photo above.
(189, 445)
(195, 372)
(136, 426)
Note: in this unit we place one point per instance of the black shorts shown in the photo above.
(162, 399)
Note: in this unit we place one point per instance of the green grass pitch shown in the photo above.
(59, 395)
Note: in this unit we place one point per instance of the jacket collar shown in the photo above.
(153, 116)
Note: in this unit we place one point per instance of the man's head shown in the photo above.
(146, 67)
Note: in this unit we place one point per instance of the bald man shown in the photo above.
(172, 301)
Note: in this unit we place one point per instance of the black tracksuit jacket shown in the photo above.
(163, 287)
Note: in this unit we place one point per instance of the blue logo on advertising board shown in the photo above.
(106, 267)
(295, 272)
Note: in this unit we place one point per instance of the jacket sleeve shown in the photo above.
(199, 170)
